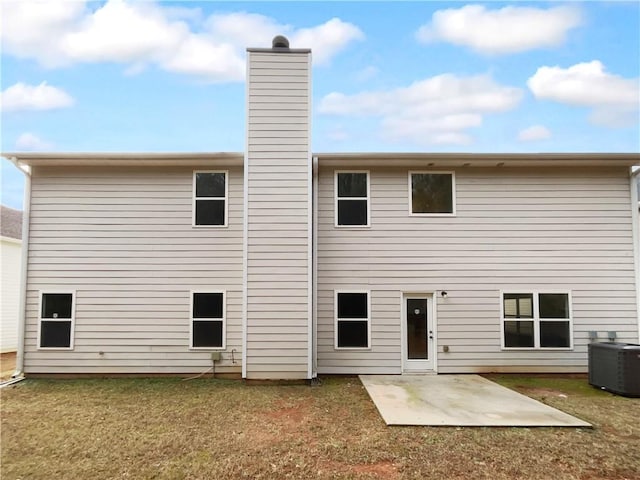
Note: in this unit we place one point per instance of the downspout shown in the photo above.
(26, 214)
(635, 235)
(315, 266)
(245, 228)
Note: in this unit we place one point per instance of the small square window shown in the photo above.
(352, 305)
(56, 320)
(57, 305)
(518, 334)
(352, 184)
(210, 198)
(207, 334)
(555, 334)
(210, 184)
(554, 305)
(518, 305)
(208, 320)
(208, 305)
(431, 193)
(210, 212)
(352, 320)
(352, 212)
(352, 334)
(352, 199)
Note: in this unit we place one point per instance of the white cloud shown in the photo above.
(28, 142)
(246, 29)
(34, 97)
(34, 29)
(534, 133)
(437, 110)
(139, 34)
(202, 58)
(503, 31)
(123, 32)
(614, 100)
(327, 40)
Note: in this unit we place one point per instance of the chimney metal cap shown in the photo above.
(280, 41)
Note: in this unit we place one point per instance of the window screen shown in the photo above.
(56, 320)
(352, 199)
(352, 322)
(210, 198)
(207, 329)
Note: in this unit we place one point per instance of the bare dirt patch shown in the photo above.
(540, 391)
(7, 365)
(380, 470)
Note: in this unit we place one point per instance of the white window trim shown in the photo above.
(367, 198)
(453, 193)
(536, 319)
(225, 198)
(223, 319)
(336, 320)
(41, 293)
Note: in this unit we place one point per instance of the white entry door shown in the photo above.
(418, 341)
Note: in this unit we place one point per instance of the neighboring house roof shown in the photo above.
(334, 159)
(11, 223)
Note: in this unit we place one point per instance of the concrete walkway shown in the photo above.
(458, 400)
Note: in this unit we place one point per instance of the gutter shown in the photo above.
(26, 214)
(314, 316)
(245, 226)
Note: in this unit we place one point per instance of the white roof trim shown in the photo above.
(438, 160)
(128, 159)
(373, 159)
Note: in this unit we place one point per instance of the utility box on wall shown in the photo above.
(615, 367)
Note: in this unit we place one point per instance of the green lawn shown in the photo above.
(169, 428)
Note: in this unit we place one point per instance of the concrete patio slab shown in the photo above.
(458, 400)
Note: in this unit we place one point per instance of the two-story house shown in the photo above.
(280, 263)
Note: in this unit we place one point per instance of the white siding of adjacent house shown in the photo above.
(516, 229)
(278, 173)
(122, 239)
(10, 254)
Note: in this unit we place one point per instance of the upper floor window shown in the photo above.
(210, 198)
(536, 320)
(352, 199)
(432, 193)
(55, 329)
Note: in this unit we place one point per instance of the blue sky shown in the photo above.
(387, 76)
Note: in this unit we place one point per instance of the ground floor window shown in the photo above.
(208, 320)
(55, 328)
(352, 327)
(536, 320)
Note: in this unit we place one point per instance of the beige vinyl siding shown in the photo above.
(122, 238)
(515, 229)
(278, 175)
(10, 268)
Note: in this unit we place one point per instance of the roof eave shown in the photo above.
(127, 159)
(420, 160)
(450, 160)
